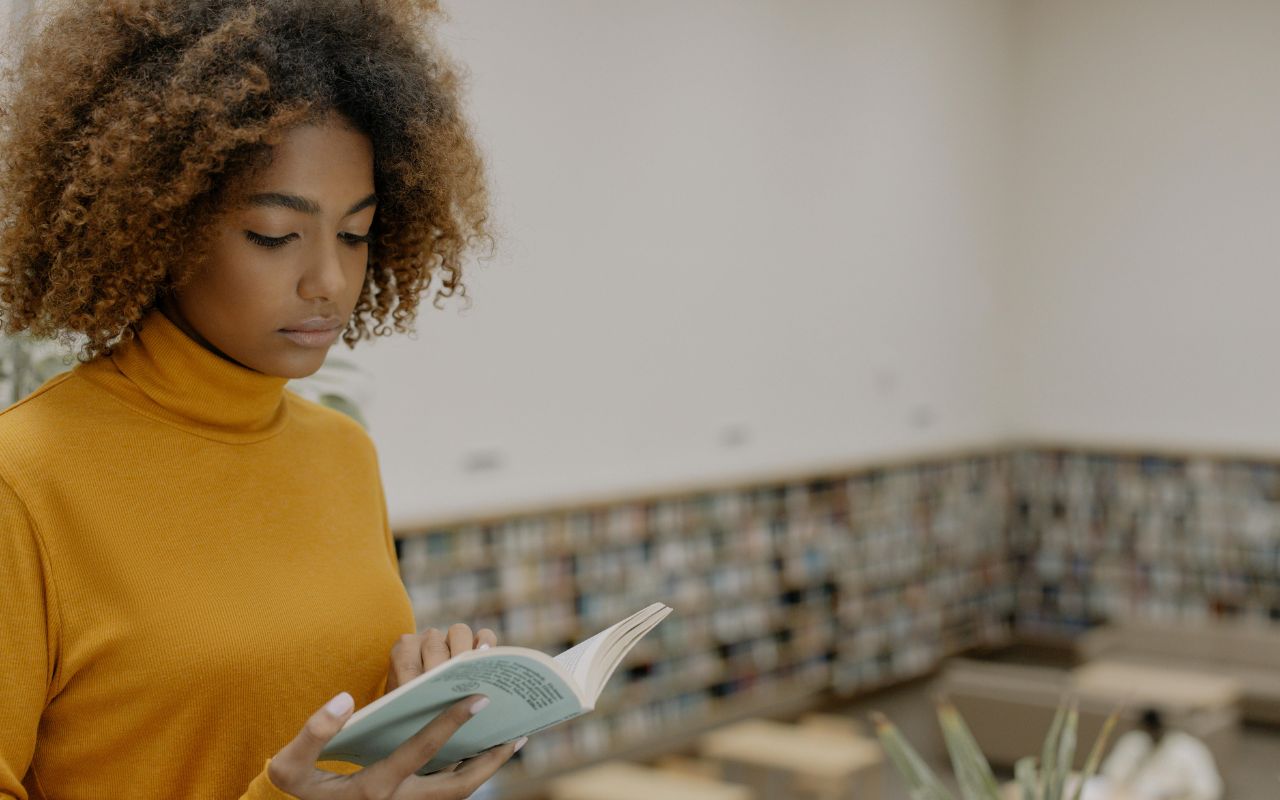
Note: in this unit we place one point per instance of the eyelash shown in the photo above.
(272, 242)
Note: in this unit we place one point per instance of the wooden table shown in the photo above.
(1011, 791)
(1169, 689)
(783, 760)
(618, 780)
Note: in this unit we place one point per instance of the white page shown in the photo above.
(579, 659)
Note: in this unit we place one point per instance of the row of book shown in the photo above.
(1096, 536)
(852, 581)
(844, 582)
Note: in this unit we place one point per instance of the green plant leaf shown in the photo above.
(922, 783)
(1095, 755)
(339, 403)
(1046, 781)
(1048, 755)
(1025, 773)
(1066, 754)
(972, 770)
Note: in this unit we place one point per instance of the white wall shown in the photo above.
(835, 232)
(10, 12)
(1144, 285)
(781, 218)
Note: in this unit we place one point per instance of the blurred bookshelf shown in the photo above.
(782, 592)
(793, 593)
(1098, 535)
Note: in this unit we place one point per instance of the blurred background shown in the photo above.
(901, 347)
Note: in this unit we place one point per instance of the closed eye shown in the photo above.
(355, 240)
(352, 239)
(268, 241)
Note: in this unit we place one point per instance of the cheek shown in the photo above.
(356, 269)
(239, 282)
(252, 270)
(360, 270)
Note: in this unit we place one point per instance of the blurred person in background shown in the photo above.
(1153, 763)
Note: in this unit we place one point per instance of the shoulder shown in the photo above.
(1134, 744)
(33, 420)
(1184, 743)
(45, 395)
(316, 419)
(34, 430)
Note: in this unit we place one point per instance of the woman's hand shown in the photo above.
(416, 653)
(293, 769)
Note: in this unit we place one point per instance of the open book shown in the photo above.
(528, 691)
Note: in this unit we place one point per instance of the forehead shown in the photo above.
(328, 162)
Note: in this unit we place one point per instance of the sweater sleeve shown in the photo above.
(263, 789)
(29, 636)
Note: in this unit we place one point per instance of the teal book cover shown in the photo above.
(528, 691)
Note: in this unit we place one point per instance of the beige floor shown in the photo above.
(1255, 774)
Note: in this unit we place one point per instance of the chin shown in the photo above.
(296, 371)
(300, 366)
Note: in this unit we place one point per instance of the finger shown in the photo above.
(406, 660)
(296, 760)
(475, 771)
(486, 638)
(420, 748)
(435, 650)
(460, 639)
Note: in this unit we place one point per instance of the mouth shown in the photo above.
(319, 338)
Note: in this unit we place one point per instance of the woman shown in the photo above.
(207, 194)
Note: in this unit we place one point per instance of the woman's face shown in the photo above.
(288, 259)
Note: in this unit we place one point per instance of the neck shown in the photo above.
(170, 375)
(174, 314)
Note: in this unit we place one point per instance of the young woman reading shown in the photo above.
(197, 577)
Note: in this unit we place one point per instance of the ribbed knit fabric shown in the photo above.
(192, 561)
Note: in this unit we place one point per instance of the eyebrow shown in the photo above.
(301, 204)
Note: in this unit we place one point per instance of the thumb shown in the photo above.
(297, 758)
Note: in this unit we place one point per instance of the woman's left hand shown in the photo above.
(415, 653)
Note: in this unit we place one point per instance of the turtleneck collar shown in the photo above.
(181, 383)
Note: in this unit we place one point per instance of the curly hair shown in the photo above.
(125, 122)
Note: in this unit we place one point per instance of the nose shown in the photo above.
(324, 277)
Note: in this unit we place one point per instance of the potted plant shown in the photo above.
(1046, 778)
(27, 362)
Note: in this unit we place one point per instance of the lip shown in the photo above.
(319, 338)
(315, 324)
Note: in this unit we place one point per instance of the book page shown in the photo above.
(606, 662)
(577, 660)
(579, 654)
(582, 660)
(526, 693)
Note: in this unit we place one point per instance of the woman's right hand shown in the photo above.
(293, 769)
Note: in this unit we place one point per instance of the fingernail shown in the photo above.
(340, 705)
(520, 743)
(479, 705)
(484, 646)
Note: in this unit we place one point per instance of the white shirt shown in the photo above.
(1180, 768)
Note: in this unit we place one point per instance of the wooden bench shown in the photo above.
(1009, 707)
(618, 780)
(809, 762)
(1247, 652)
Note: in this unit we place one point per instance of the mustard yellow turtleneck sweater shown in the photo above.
(192, 561)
